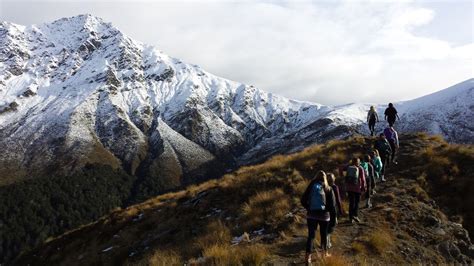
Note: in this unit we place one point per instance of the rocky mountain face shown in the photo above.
(77, 91)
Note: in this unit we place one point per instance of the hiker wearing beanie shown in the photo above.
(372, 118)
(392, 136)
(318, 200)
(339, 211)
(384, 149)
(391, 114)
(355, 185)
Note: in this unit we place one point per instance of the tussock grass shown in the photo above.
(380, 241)
(216, 233)
(265, 207)
(163, 258)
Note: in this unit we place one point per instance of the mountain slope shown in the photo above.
(449, 113)
(78, 86)
(257, 208)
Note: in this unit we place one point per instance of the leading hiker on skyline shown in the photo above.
(372, 118)
(391, 114)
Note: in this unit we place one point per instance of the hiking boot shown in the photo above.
(356, 219)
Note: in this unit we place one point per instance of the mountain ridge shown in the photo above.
(253, 216)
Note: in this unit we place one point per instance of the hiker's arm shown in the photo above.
(397, 116)
(338, 201)
(362, 177)
(376, 117)
(304, 198)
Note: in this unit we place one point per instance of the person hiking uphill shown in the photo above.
(392, 136)
(339, 211)
(369, 178)
(372, 118)
(384, 150)
(377, 163)
(318, 200)
(355, 186)
(391, 114)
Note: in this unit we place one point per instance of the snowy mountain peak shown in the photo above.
(77, 91)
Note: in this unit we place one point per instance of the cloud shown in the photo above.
(325, 51)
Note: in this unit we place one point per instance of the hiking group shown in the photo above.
(322, 197)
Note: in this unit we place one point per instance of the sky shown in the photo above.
(329, 52)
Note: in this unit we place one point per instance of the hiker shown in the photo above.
(377, 163)
(369, 178)
(391, 114)
(372, 118)
(339, 211)
(384, 149)
(318, 200)
(392, 136)
(355, 186)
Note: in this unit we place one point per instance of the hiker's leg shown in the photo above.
(351, 204)
(394, 150)
(311, 235)
(356, 204)
(323, 231)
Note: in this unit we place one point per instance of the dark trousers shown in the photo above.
(372, 127)
(385, 161)
(354, 199)
(323, 230)
(391, 121)
(394, 149)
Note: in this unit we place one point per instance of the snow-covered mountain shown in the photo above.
(77, 91)
(449, 113)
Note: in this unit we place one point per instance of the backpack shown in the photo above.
(352, 175)
(382, 146)
(365, 166)
(317, 200)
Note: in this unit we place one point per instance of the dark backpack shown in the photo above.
(317, 198)
(352, 175)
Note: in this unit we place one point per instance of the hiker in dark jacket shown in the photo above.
(372, 118)
(370, 179)
(319, 202)
(339, 211)
(384, 149)
(392, 136)
(391, 114)
(355, 186)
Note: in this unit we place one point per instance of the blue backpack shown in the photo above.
(317, 200)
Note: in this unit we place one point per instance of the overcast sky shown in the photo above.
(330, 52)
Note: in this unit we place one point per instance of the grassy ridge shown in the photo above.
(198, 224)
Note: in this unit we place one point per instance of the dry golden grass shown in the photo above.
(265, 207)
(380, 241)
(358, 248)
(336, 260)
(163, 258)
(236, 255)
(216, 233)
(419, 192)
